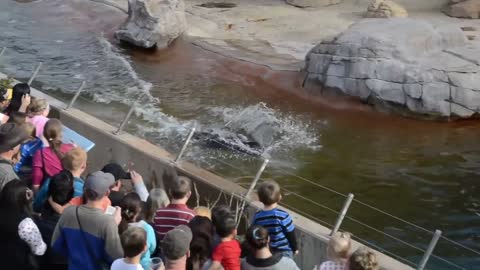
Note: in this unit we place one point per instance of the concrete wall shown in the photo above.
(152, 161)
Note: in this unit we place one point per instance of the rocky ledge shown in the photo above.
(153, 23)
(404, 65)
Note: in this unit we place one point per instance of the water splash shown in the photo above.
(273, 130)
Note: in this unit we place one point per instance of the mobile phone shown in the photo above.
(110, 210)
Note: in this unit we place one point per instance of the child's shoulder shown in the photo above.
(272, 212)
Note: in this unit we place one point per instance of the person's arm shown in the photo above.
(215, 266)
(57, 207)
(139, 186)
(41, 196)
(217, 257)
(151, 239)
(289, 231)
(29, 232)
(113, 247)
(26, 99)
(37, 173)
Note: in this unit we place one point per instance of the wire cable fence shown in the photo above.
(427, 253)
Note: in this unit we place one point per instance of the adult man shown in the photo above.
(116, 192)
(177, 212)
(84, 234)
(176, 247)
(11, 137)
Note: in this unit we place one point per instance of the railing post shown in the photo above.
(125, 120)
(429, 250)
(76, 96)
(342, 214)
(2, 51)
(35, 73)
(187, 141)
(250, 189)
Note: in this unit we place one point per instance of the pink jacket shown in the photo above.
(53, 164)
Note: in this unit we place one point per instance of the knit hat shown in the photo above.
(117, 171)
(11, 135)
(99, 182)
(176, 242)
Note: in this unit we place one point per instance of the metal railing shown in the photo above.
(341, 215)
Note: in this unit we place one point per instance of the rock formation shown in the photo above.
(385, 9)
(403, 65)
(313, 3)
(153, 23)
(463, 9)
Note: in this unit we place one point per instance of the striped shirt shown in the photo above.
(170, 217)
(278, 223)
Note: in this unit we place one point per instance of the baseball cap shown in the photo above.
(116, 170)
(176, 242)
(99, 182)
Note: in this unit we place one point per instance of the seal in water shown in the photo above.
(229, 140)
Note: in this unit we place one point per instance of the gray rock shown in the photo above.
(407, 63)
(153, 23)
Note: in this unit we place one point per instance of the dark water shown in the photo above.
(424, 172)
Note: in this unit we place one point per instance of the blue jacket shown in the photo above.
(26, 153)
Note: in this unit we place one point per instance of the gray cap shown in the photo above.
(99, 182)
(176, 242)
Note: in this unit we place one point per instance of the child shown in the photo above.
(134, 243)
(177, 212)
(363, 259)
(131, 206)
(278, 222)
(24, 166)
(227, 253)
(338, 251)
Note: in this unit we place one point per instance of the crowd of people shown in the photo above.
(53, 218)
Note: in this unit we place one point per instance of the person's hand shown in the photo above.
(26, 99)
(117, 216)
(136, 177)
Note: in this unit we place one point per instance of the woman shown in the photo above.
(338, 251)
(258, 239)
(157, 199)
(21, 238)
(47, 161)
(363, 259)
(37, 115)
(202, 243)
(131, 206)
(20, 99)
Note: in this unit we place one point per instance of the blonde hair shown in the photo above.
(203, 211)
(38, 106)
(74, 159)
(363, 259)
(339, 246)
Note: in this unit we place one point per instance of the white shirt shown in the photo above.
(120, 264)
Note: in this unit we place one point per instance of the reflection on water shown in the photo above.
(424, 172)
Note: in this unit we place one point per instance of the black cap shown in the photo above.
(117, 171)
